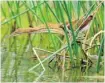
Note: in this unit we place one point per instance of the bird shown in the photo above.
(56, 27)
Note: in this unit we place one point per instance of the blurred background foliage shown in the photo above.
(16, 52)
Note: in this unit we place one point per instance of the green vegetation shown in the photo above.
(75, 56)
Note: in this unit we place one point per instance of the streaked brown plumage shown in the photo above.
(55, 28)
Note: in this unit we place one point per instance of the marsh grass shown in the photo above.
(66, 53)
